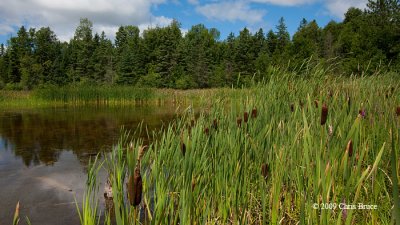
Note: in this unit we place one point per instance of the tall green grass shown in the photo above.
(219, 179)
(52, 96)
(94, 94)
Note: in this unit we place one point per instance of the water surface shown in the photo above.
(44, 155)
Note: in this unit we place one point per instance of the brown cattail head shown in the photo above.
(239, 122)
(349, 148)
(215, 124)
(206, 131)
(292, 107)
(316, 103)
(183, 148)
(265, 171)
(182, 145)
(254, 113)
(398, 111)
(135, 188)
(192, 123)
(324, 114)
(246, 117)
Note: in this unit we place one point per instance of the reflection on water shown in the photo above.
(44, 154)
(40, 136)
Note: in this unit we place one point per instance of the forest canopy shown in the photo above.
(366, 41)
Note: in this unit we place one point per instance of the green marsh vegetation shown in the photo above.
(266, 155)
(51, 96)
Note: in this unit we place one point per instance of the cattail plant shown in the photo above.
(324, 114)
(265, 171)
(398, 111)
(292, 107)
(206, 131)
(215, 124)
(316, 103)
(192, 123)
(254, 113)
(349, 148)
(135, 186)
(246, 117)
(239, 122)
(182, 145)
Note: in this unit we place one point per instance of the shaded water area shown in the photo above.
(44, 154)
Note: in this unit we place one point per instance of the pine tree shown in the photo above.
(199, 43)
(271, 41)
(307, 41)
(130, 58)
(283, 37)
(82, 47)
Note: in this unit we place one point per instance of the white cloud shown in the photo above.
(231, 11)
(155, 22)
(285, 2)
(63, 15)
(339, 7)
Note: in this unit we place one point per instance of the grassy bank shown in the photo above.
(308, 148)
(102, 95)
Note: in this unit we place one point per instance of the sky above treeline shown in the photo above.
(62, 16)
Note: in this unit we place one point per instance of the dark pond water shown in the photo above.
(44, 155)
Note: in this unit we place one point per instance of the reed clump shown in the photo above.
(324, 114)
(246, 117)
(239, 121)
(254, 113)
(275, 167)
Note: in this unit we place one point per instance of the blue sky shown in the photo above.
(227, 16)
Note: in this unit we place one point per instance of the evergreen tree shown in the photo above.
(45, 52)
(82, 49)
(102, 60)
(161, 47)
(245, 54)
(130, 59)
(271, 41)
(307, 41)
(282, 35)
(199, 43)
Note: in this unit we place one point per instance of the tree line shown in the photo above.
(365, 41)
